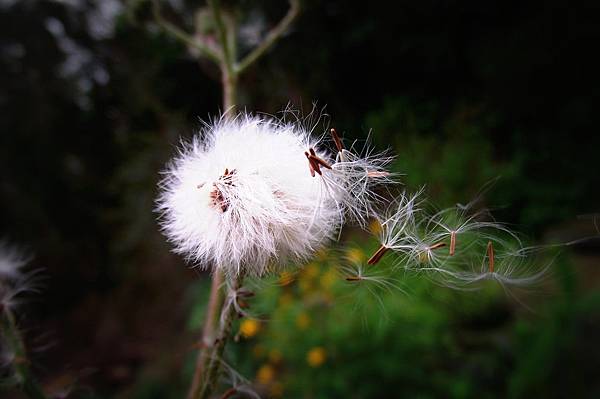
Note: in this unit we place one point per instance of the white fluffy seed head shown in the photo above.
(14, 281)
(12, 261)
(358, 178)
(240, 197)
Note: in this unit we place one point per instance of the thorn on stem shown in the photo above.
(229, 393)
(243, 304)
(377, 255)
(199, 346)
(244, 293)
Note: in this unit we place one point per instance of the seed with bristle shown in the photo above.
(377, 173)
(310, 164)
(353, 278)
(315, 163)
(490, 254)
(337, 140)
(424, 255)
(318, 160)
(438, 245)
(377, 255)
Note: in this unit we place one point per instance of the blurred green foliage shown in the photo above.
(312, 334)
(463, 92)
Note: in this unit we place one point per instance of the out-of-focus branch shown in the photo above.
(272, 37)
(228, 313)
(208, 334)
(228, 57)
(182, 36)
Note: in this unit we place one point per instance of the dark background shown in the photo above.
(94, 99)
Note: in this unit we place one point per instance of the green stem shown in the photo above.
(228, 313)
(272, 37)
(182, 36)
(228, 57)
(208, 334)
(20, 363)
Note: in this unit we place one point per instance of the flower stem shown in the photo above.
(228, 313)
(11, 333)
(208, 334)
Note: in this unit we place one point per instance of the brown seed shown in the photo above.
(337, 140)
(311, 165)
(377, 173)
(320, 161)
(377, 255)
(452, 243)
(490, 254)
(353, 278)
(438, 245)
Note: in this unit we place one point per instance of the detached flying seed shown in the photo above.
(490, 254)
(377, 255)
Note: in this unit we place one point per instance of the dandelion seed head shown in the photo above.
(12, 261)
(240, 197)
(13, 280)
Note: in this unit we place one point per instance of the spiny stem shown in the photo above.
(21, 364)
(208, 333)
(228, 313)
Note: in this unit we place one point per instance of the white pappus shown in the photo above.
(249, 194)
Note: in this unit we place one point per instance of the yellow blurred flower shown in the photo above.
(375, 227)
(311, 270)
(316, 356)
(305, 285)
(286, 278)
(249, 328)
(355, 255)
(329, 278)
(275, 356)
(321, 254)
(276, 390)
(303, 321)
(286, 299)
(258, 350)
(265, 374)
